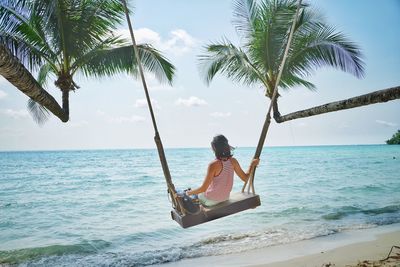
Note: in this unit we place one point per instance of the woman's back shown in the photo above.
(221, 185)
(218, 182)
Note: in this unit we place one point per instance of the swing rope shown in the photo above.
(171, 188)
(157, 139)
(250, 182)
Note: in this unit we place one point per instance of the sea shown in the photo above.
(111, 208)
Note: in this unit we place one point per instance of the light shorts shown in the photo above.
(207, 202)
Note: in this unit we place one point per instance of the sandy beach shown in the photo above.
(361, 248)
(363, 254)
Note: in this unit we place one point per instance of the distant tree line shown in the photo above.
(395, 140)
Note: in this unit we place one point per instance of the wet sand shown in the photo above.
(361, 248)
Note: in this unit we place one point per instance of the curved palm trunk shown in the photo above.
(20, 77)
(275, 109)
(358, 101)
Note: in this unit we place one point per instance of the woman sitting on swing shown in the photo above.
(218, 182)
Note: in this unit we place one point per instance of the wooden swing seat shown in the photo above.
(237, 202)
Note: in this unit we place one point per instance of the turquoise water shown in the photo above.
(110, 207)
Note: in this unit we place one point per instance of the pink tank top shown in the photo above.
(221, 185)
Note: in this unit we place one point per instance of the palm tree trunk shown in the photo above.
(65, 102)
(358, 101)
(275, 109)
(22, 79)
(65, 84)
(259, 148)
(263, 135)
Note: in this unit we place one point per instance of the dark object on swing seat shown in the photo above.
(237, 202)
(189, 203)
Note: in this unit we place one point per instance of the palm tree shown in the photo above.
(21, 78)
(264, 28)
(62, 38)
(379, 96)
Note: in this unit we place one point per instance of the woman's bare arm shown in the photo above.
(211, 170)
(239, 171)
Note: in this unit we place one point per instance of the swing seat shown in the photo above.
(237, 202)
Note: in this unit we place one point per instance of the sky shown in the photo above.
(110, 113)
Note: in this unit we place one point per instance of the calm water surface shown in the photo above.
(110, 207)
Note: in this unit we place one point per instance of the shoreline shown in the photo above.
(346, 248)
(177, 148)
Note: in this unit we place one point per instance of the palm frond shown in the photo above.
(25, 52)
(77, 26)
(44, 73)
(38, 112)
(12, 12)
(308, 18)
(96, 20)
(245, 17)
(156, 63)
(227, 59)
(324, 46)
(107, 43)
(21, 32)
(290, 80)
(110, 61)
(266, 24)
(38, 25)
(267, 44)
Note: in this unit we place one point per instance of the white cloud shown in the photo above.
(123, 119)
(192, 101)
(178, 43)
(386, 123)
(15, 114)
(120, 119)
(142, 103)
(144, 35)
(2, 94)
(220, 114)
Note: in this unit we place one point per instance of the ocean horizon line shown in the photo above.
(179, 148)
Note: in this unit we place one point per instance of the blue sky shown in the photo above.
(110, 113)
